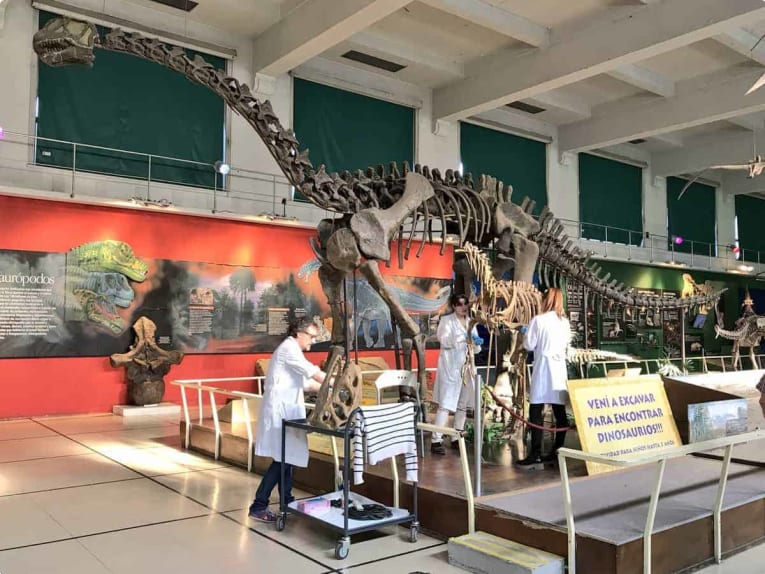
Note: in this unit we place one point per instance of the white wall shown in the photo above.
(257, 185)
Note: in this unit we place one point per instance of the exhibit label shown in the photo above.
(627, 419)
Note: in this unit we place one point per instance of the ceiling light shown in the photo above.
(222, 168)
(677, 240)
(2, 131)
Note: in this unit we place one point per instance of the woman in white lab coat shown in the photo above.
(456, 374)
(548, 336)
(289, 374)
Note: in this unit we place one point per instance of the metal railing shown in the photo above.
(661, 458)
(272, 189)
(704, 362)
(88, 163)
(617, 242)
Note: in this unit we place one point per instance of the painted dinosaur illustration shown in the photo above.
(97, 283)
(378, 205)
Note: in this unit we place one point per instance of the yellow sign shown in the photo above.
(622, 418)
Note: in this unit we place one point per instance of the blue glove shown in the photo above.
(477, 340)
(524, 329)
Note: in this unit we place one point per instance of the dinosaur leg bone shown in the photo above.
(371, 271)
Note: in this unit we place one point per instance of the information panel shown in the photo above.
(628, 419)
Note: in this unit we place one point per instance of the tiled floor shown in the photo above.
(99, 495)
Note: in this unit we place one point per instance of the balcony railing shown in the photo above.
(83, 170)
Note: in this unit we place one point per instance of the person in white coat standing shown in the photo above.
(289, 375)
(456, 373)
(547, 336)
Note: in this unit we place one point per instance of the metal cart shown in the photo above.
(337, 518)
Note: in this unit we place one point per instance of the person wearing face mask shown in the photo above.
(289, 374)
(456, 373)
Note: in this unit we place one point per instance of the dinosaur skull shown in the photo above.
(63, 42)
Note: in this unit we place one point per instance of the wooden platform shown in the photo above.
(526, 506)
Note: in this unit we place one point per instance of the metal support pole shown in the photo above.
(682, 336)
(478, 434)
(74, 167)
(148, 181)
(719, 502)
(651, 517)
(568, 509)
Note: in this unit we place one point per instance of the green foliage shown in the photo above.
(492, 432)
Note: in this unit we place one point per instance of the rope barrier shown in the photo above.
(525, 421)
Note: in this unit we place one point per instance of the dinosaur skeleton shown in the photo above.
(748, 331)
(374, 205)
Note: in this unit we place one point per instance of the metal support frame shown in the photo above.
(660, 458)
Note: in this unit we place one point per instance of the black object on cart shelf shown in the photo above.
(337, 519)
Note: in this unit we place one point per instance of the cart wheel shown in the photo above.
(341, 550)
(280, 522)
(413, 530)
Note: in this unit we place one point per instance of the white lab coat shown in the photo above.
(453, 338)
(548, 336)
(288, 371)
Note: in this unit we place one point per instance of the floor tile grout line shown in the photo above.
(92, 534)
(77, 433)
(275, 541)
(69, 487)
(397, 555)
(54, 457)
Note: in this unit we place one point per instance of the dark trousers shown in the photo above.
(272, 478)
(561, 421)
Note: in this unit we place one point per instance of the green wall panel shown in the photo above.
(692, 217)
(611, 194)
(349, 131)
(750, 212)
(517, 161)
(128, 103)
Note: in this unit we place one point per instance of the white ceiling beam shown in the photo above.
(402, 53)
(742, 41)
(314, 27)
(693, 158)
(740, 184)
(747, 123)
(671, 139)
(496, 19)
(718, 101)
(647, 32)
(564, 102)
(645, 79)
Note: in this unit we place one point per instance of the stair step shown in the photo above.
(484, 553)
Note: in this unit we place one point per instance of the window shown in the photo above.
(610, 200)
(127, 103)
(517, 161)
(349, 131)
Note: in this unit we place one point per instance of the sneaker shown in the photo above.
(531, 462)
(437, 448)
(264, 515)
(455, 444)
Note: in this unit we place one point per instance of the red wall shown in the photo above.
(31, 387)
